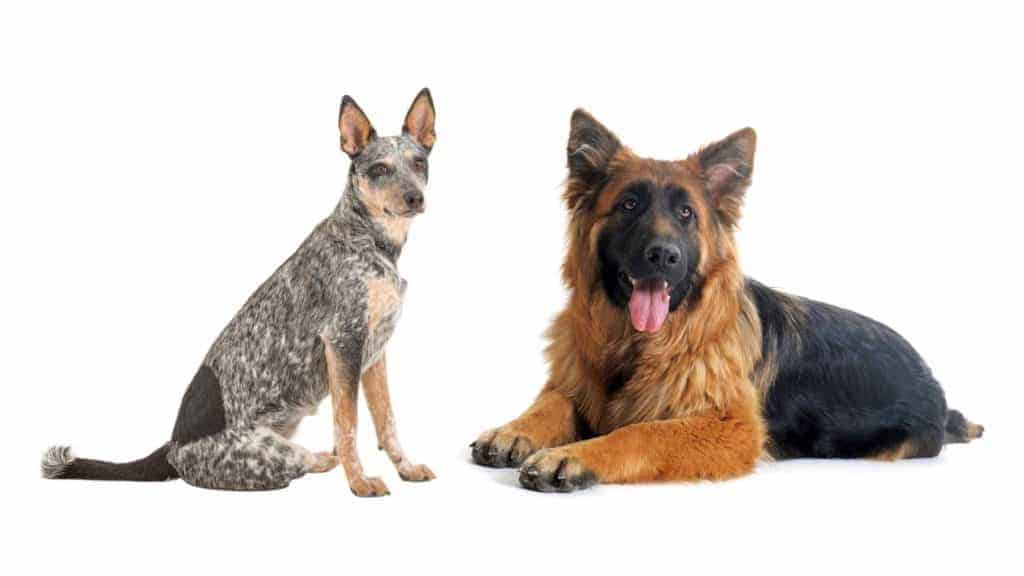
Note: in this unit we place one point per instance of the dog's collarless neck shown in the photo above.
(353, 220)
(385, 246)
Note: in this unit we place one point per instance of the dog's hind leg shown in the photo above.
(242, 459)
(324, 462)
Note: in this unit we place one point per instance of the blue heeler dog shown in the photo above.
(315, 328)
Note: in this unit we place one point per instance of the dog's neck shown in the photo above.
(352, 219)
(714, 338)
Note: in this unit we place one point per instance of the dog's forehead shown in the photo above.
(662, 175)
(392, 148)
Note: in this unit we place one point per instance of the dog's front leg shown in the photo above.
(343, 381)
(550, 421)
(713, 445)
(376, 382)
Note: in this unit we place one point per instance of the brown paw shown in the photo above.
(365, 487)
(501, 448)
(415, 473)
(323, 462)
(554, 470)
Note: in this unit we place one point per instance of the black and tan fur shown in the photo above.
(735, 371)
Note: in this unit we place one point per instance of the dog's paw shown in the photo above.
(554, 470)
(415, 473)
(500, 448)
(323, 462)
(366, 487)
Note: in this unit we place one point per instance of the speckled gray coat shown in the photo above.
(269, 360)
(313, 328)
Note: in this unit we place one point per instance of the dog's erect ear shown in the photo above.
(355, 127)
(590, 150)
(727, 166)
(419, 121)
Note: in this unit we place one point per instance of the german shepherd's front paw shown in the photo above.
(501, 448)
(554, 470)
(365, 487)
(415, 473)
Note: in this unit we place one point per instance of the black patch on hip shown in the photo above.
(202, 409)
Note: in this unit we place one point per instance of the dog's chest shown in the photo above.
(384, 296)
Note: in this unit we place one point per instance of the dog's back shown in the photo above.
(837, 384)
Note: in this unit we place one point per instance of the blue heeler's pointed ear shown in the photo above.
(419, 121)
(356, 130)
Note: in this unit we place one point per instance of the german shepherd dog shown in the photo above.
(667, 364)
(315, 328)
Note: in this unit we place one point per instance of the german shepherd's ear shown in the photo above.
(727, 166)
(419, 121)
(355, 127)
(590, 150)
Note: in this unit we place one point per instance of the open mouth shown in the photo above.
(648, 302)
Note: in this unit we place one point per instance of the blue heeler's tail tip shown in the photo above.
(56, 460)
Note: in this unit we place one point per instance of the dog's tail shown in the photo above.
(59, 463)
(960, 429)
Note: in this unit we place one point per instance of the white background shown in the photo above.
(159, 162)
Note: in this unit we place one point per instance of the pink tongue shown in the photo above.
(648, 306)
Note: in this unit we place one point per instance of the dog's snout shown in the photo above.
(663, 255)
(414, 199)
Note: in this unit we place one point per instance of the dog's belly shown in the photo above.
(294, 393)
(286, 419)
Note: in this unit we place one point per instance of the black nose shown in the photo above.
(414, 199)
(663, 255)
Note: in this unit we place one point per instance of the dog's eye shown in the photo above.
(419, 164)
(379, 171)
(629, 204)
(685, 213)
